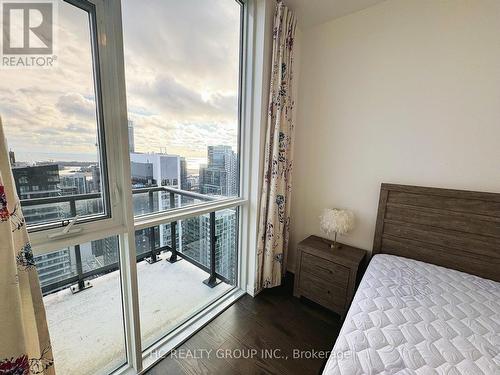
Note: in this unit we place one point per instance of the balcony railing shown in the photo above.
(80, 281)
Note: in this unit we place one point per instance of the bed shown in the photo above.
(429, 301)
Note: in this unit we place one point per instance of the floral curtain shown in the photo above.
(24, 339)
(275, 200)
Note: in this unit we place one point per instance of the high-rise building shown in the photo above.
(12, 158)
(163, 169)
(74, 183)
(54, 267)
(44, 181)
(220, 176)
(196, 241)
(193, 182)
(95, 184)
(41, 181)
(38, 181)
(105, 251)
(183, 174)
(131, 140)
(142, 174)
(155, 169)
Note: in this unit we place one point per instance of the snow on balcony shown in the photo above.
(87, 330)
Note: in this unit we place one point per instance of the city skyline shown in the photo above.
(218, 177)
(193, 164)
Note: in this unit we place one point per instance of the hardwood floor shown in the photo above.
(237, 340)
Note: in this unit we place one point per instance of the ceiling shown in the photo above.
(313, 12)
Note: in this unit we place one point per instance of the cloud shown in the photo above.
(173, 100)
(171, 96)
(225, 103)
(182, 62)
(75, 104)
(198, 40)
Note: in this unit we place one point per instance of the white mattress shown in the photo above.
(411, 317)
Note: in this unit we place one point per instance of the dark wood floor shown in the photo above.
(274, 321)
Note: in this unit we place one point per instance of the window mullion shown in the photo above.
(120, 184)
(130, 299)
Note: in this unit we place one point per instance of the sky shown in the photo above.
(181, 64)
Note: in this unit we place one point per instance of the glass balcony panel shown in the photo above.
(170, 293)
(196, 242)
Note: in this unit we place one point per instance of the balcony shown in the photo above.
(87, 326)
(176, 279)
(177, 198)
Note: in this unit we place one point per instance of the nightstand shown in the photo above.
(327, 276)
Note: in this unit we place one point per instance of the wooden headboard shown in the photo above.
(451, 228)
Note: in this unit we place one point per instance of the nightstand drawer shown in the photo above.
(325, 269)
(327, 275)
(322, 290)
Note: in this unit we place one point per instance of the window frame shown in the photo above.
(251, 103)
(160, 216)
(139, 359)
(47, 237)
(90, 9)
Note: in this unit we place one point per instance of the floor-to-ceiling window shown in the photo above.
(55, 128)
(126, 152)
(182, 70)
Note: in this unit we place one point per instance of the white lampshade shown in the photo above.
(337, 221)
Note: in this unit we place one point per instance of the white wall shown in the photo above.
(407, 91)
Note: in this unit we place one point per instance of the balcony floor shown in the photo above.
(86, 328)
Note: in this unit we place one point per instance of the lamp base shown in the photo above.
(332, 244)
